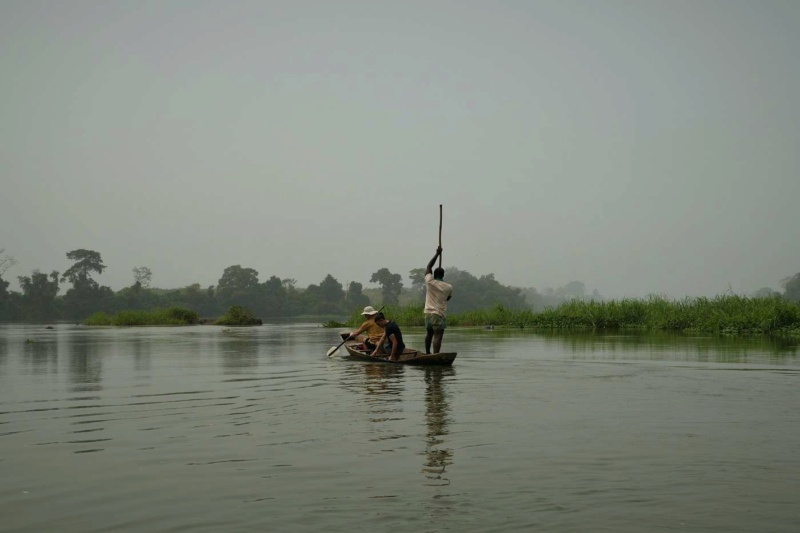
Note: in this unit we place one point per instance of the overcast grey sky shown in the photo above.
(640, 147)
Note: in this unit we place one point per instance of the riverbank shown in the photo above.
(726, 315)
(173, 316)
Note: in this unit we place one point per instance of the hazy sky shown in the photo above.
(640, 147)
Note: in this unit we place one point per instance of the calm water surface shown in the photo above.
(212, 429)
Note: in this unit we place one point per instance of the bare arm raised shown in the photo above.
(429, 269)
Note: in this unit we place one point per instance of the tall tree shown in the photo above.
(480, 293)
(238, 286)
(193, 296)
(86, 262)
(355, 298)
(142, 276)
(6, 262)
(39, 296)
(765, 292)
(417, 276)
(574, 290)
(309, 300)
(5, 300)
(293, 296)
(791, 287)
(274, 297)
(331, 295)
(391, 285)
(86, 296)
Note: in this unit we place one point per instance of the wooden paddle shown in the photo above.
(440, 234)
(335, 349)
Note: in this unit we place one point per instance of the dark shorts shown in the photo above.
(434, 321)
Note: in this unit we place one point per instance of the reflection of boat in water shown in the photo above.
(409, 356)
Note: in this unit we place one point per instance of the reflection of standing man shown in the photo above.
(437, 408)
(437, 294)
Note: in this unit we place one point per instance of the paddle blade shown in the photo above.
(333, 351)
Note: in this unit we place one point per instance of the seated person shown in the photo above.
(373, 331)
(392, 340)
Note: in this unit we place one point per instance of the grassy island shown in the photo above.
(238, 316)
(729, 315)
(173, 316)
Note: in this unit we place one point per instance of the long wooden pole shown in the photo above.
(440, 234)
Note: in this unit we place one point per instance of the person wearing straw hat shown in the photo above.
(373, 331)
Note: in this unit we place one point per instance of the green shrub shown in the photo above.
(183, 314)
(98, 319)
(238, 316)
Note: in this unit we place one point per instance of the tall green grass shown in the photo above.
(413, 315)
(729, 314)
(173, 316)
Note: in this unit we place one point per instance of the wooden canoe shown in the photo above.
(408, 357)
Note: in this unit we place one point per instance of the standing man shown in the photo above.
(437, 294)
(392, 340)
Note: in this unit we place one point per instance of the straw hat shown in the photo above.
(369, 311)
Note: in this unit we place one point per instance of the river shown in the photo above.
(207, 428)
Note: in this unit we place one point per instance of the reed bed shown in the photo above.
(728, 314)
(172, 316)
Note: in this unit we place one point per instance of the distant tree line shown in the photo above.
(44, 296)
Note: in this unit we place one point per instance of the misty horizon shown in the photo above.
(641, 149)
